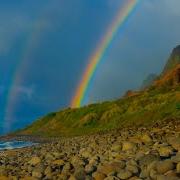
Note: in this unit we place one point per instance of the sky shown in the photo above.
(45, 46)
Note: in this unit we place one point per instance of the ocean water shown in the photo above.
(5, 145)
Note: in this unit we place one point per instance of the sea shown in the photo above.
(9, 145)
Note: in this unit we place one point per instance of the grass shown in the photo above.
(145, 108)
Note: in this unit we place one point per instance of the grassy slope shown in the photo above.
(158, 102)
(144, 108)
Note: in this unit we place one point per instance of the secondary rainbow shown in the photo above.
(17, 78)
(97, 56)
(21, 68)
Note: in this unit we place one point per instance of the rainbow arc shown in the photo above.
(97, 56)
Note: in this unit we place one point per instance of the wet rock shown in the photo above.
(144, 173)
(80, 174)
(48, 170)
(67, 167)
(4, 177)
(153, 174)
(178, 168)
(146, 138)
(76, 161)
(34, 161)
(132, 168)
(58, 162)
(165, 166)
(72, 177)
(175, 142)
(86, 153)
(49, 157)
(148, 159)
(166, 151)
(111, 178)
(37, 174)
(116, 147)
(114, 155)
(64, 176)
(176, 158)
(124, 174)
(135, 178)
(163, 177)
(126, 146)
(98, 176)
(111, 167)
(90, 168)
(3, 170)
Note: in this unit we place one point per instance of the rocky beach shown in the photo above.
(90, 90)
(133, 153)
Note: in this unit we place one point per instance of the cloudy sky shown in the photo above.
(45, 46)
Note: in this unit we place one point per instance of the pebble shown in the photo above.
(165, 166)
(151, 153)
(124, 174)
(34, 161)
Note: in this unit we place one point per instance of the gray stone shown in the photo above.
(80, 174)
(132, 168)
(124, 174)
(34, 161)
(164, 166)
(147, 159)
(37, 174)
(128, 146)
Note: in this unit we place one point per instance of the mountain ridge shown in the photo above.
(173, 60)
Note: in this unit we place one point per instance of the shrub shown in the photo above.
(88, 120)
(178, 106)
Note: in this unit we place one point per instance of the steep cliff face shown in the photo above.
(170, 79)
(170, 75)
(149, 81)
(173, 60)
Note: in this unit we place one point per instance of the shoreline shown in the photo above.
(131, 153)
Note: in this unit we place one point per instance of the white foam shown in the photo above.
(14, 144)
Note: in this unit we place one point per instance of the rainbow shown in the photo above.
(95, 59)
(17, 77)
(20, 69)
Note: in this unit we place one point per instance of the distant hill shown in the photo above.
(173, 60)
(149, 81)
(159, 102)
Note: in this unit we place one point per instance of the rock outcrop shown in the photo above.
(173, 60)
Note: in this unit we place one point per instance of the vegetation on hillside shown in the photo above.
(146, 108)
(158, 102)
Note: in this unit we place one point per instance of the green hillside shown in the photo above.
(146, 108)
(159, 102)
